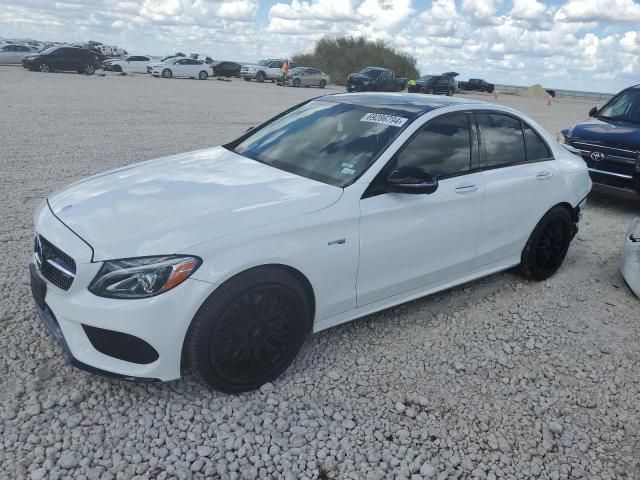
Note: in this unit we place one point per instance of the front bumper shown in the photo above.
(92, 329)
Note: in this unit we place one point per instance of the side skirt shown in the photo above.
(410, 295)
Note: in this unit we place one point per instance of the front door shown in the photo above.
(408, 241)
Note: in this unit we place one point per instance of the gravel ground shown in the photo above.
(501, 378)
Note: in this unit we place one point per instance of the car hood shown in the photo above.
(166, 205)
(615, 134)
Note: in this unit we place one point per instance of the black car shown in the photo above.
(443, 85)
(477, 85)
(423, 84)
(375, 79)
(610, 141)
(76, 59)
(226, 69)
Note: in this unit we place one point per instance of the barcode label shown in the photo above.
(384, 119)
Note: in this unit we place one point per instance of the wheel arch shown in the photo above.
(297, 274)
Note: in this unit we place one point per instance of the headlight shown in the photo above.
(142, 277)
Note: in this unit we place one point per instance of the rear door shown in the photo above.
(409, 241)
(521, 179)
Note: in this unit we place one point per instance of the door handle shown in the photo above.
(544, 176)
(466, 188)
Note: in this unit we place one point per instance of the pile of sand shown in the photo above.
(534, 91)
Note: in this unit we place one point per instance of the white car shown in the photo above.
(130, 64)
(264, 70)
(181, 67)
(631, 257)
(348, 204)
(13, 53)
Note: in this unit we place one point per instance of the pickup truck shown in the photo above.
(477, 84)
(264, 70)
(375, 79)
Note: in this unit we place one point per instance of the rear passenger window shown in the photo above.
(536, 147)
(502, 138)
(442, 147)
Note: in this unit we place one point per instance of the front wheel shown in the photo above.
(44, 67)
(323, 83)
(203, 75)
(89, 69)
(249, 330)
(548, 244)
(166, 73)
(260, 77)
(296, 82)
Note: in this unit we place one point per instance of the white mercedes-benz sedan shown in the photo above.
(224, 259)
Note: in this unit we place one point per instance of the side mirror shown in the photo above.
(412, 180)
(593, 111)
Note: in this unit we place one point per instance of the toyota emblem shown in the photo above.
(597, 156)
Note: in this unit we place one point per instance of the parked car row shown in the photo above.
(77, 59)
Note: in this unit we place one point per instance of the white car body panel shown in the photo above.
(179, 70)
(630, 268)
(359, 255)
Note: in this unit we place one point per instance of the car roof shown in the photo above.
(409, 103)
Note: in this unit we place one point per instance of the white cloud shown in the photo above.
(528, 9)
(599, 11)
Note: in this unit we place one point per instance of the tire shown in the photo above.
(249, 330)
(260, 77)
(203, 75)
(547, 246)
(167, 73)
(323, 83)
(296, 82)
(89, 69)
(450, 92)
(44, 68)
(116, 68)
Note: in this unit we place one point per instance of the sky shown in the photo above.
(589, 45)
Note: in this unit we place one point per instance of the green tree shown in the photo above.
(340, 56)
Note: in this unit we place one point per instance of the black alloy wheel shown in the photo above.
(548, 244)
(249, 330)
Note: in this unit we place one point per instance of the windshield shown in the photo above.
(370, 72)
(326, 141)
(49, 50)
(263, 62)
(625, 107)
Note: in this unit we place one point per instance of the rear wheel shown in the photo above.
(167, 73)
(203, 75)
(89, 69)
(260, 77)
(548, 244)
(323, 83)
(44, 67)
(249, 330)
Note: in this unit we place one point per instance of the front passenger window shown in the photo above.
(442, 147)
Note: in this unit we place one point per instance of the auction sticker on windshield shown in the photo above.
(384, 119)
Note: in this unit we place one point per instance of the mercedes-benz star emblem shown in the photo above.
(597, 156)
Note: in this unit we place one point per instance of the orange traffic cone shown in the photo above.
(549, 101)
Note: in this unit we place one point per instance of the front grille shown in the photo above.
(615, 160)
(55, 265)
